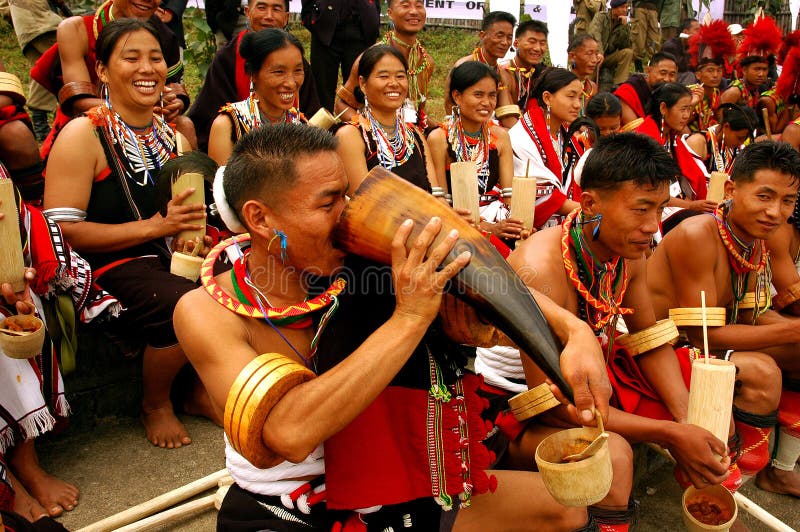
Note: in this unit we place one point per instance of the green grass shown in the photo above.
(446, 45)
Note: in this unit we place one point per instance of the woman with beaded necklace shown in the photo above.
(101, 189)
(470, 135)
(273, 59)
(544, 149)
(670, 112)
(378, 135)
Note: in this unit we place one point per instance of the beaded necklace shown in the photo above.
(595, 282)
(742, 265)
(468, 147)
(477, 55)
(394, 151)
(523, 76)
(417, 64)
(143, 151)
(723, 156)
(250, 301)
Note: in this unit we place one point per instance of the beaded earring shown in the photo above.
(547, 118)
(281, 236)
(456, 113)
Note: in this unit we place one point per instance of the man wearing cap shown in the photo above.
(613, 35)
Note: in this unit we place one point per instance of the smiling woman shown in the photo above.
(378, 135)
(274, 61)
(101, 178)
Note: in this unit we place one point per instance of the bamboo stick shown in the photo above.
(705, 324)
(196, 181)
(765, 114)
(159, 503)
(12, 264)
(464, 180)
(172, 515)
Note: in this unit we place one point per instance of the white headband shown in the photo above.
(227, 213)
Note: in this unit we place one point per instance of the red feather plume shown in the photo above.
(790, 76)
(762, 38)
(714, 36)
(790, 40)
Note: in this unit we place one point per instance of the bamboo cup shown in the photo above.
(717, 495)
(196, 181)
(464, 180)
(580, 483)
(323, 119)
(12, 264)
(523, 200)
(716, 186)
(186, 266)
(711, 396)
(22, 347)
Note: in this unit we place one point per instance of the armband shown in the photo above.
(532, 402)
(786, 297)
(72, 92)
(633, 124)
(506, 111)
(65, 214)
(749, 301)
(693, 317)
(256, 390)
(11, 86)
(661, 333)
(347, 97)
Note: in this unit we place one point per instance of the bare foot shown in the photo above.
(779, 481)
(52, 493)
(24, 504)
(198, 403)
(163, 429)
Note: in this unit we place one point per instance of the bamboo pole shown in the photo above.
(464, 180)
(12, 264)
(159, 503)
(196, 181)
(172, 515)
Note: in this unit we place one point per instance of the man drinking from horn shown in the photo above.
(286, 185)
(725, 255)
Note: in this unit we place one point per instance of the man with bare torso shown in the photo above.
(594, 267)
(725, 256)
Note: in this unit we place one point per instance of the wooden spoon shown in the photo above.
(593, 447)
(15, 333)
(590, 449)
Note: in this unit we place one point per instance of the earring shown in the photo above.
(596, 231)
(161, 101)
(547, 118)
(104, 94)
(662, 126)
(280, 235)
(456, 113)
(573, 65)
(252, 87)
(366, 104)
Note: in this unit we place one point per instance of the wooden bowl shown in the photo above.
(22, 347)
(718, 495)
(574, 484)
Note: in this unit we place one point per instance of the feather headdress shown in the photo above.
(790, 40)
(762, 38)
(711, 44)
(789, 79)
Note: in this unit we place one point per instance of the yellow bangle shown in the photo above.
(11, 86)
(661, 333)
(693, 317)
(786, 297)
(532, 402)
(256, 390)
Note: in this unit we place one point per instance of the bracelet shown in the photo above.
(65, 214)
(72, 92)
(11, 86)
(449, 198)
(693, 317)
(633, 124)
(347, 97)
(532, 402)
(437, 192)
(507, 110)
(256, 390)
(506, 192)
(661, 333)
(786, 297)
